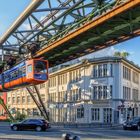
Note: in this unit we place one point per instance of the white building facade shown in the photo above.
(102, 90)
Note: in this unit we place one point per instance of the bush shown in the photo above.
(19, 116)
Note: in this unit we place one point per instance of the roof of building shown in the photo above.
(114, 58)
(93, 60)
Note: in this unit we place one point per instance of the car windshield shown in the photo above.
(134, 120)
(23, 121)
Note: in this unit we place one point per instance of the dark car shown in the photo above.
(133, 124)
(31, 124)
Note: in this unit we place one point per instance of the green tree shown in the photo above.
(121, 54)
(19, 116)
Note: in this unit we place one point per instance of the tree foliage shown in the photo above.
(121, 54)
(20, 116)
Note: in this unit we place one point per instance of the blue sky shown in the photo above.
(10, 10)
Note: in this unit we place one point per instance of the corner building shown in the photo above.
(100, 90)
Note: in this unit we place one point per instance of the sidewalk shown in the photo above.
(107, 126)
(5, 124)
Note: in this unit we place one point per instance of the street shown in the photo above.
(55, 134)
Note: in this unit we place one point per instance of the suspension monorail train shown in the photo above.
(33, 71)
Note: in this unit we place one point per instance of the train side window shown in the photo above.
(12, 75)
(16, 73)
(23, 70)
(5, 77)
(29, 68)
(20, 71)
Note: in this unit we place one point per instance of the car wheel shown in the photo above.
(38, 128)
(15, 128)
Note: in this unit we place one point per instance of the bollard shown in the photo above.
(76, 138)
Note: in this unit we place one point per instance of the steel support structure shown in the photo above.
(33, 90)
(6, 109)
(62, 15)
(74, 28)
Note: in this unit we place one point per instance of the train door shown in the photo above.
(29, 70)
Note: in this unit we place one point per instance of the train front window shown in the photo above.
(40, 67)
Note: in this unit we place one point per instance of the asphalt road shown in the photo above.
(55, 134)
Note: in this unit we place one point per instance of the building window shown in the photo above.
(35, 112)
(126, 73)
(75, 75)
(18, 100)
(42, 85)
(9, 99)
(111, 92)
(111, 69)
(28, 99)
(43, 97)
(126, 93)
(107, 115)
(62, 79)
(29, 112)
(135, 77)
(95, 114)
(80, 112)
(99, 92)
(95, 71)
(104, 70)
(52, 97)
(13, 100)
(79, 94)
(100, 70)
(104, 92)
(23, 99)
(61, 96)
(135, 94)
(52, 82)
(95, 97)
(65, 96)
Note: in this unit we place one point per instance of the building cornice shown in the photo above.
(87, 62)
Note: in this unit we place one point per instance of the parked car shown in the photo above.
(133, 124)
(31, 124)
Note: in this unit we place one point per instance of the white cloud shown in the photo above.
(102, 53)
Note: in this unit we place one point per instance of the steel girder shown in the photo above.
(52, 20)
(120, 28)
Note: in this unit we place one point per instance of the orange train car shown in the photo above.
(34, 71)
